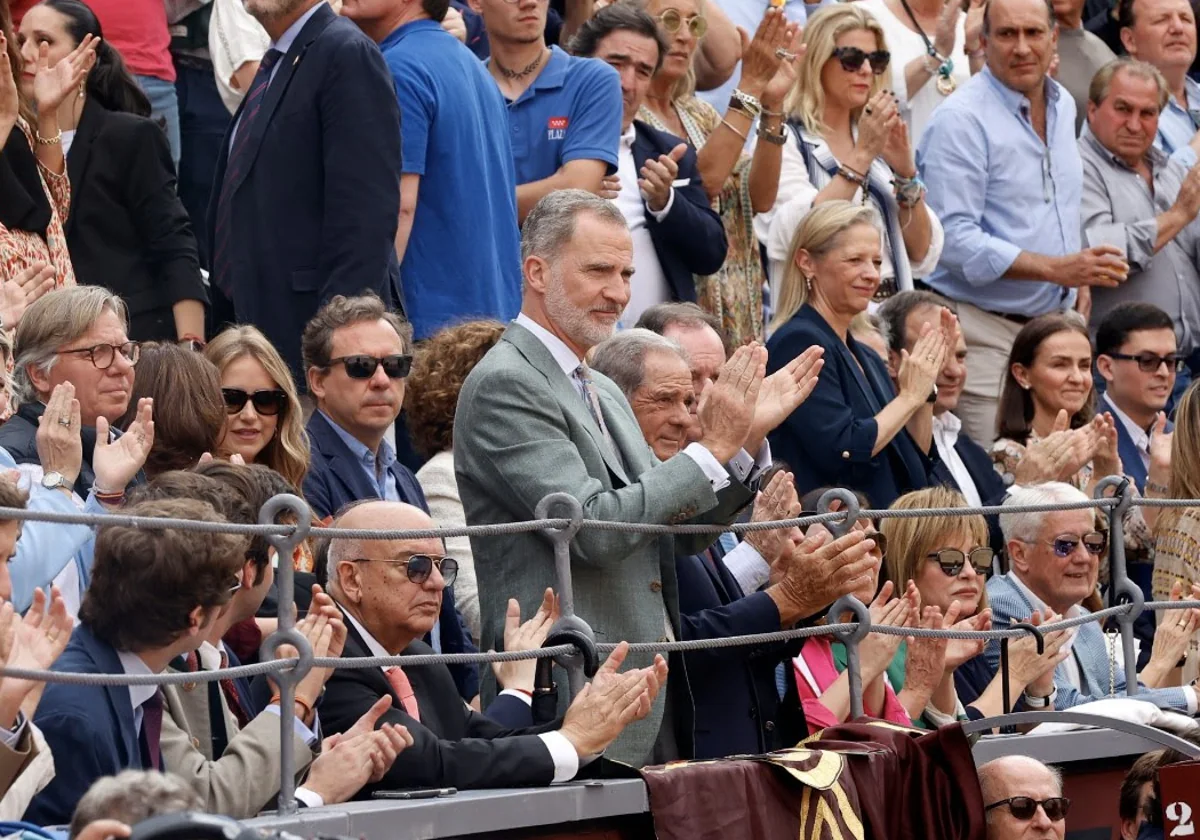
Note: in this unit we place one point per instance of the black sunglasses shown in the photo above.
(1150, 362)
(266, 403)
(420, 566)
(1095, 543)
(852, 59)
(363, 367)
(1024, 807)
(952, 560)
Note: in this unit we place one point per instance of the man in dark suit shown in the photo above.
(101, 730)
(390, 593)
(308, 184)
(676, 233)
(356, 354)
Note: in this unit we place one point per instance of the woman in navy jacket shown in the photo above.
(855, 430)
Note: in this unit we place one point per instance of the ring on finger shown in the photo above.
(64, 421)
(780, 52)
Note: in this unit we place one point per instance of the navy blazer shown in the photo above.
(988, 482)
(335, 479)
(1131, 458)
(314, 200)
(690, 239)
(733, 689)
(89, 728)
(827, 441)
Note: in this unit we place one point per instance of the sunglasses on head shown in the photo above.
(1095, 543)
(1025, 807)
(420, 566)
(952, 560)
(395, 366)
(672, 20)
(267, 403)
(852, 59)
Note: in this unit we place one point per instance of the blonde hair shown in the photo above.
(1185, 455)
(806, 101)
(287, 452)
(911, 541)
(818, 234)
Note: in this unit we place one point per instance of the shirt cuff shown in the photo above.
(310, 797)
(1189, 694)
(92, 505)
(659, 215)
(745, 469)
(562, 753)
(706, 461)
(12, 737)
(303, 731)
(748, 567)
(524, 698)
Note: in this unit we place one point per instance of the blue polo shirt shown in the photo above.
(463, 259)
(572, 111)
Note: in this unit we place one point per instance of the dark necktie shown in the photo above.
(233, 170)
(232, 696)
(152, 716)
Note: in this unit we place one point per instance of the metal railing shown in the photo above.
(571, 642)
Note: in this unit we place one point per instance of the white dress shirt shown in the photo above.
(562, 752)
(649, 286)
(946, 429)
(131, 664)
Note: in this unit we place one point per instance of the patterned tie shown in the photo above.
(233, 170)
(232, 697)
(583, 375)
(152, 716)
(404, 690)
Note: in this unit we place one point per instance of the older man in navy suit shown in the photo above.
(676, 233)
(308, 184)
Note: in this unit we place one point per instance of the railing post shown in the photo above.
(848, 603)
(1121, 585)
(569, 628)
(287, 634)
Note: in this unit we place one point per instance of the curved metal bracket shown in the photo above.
(573, 630)
(560, 506)
(1141, 730)
(850, 506)
(269, 650)
(851, 638)
(1121, 491)
(300, 511)
(1041, 648)
(570, 628)
(1122, 587)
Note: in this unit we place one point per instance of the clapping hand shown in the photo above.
(611, 701)
(776, 501)
(31, 643)
(59, 445)
(10, 99)
(52, 84)
(117, 462)
(919, 369)
(531, 635)
(727, 407)
(28, 285)
(658, 176)
(792, 43)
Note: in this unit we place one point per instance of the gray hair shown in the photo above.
(1102, 81)
(551, 222)
(53, 321)
(132, 796)
(622, 358)
(1025, 527)
(989, 773)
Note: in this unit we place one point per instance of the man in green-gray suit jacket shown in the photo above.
(532, 420)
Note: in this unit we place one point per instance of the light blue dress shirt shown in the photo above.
(999, 190)
(1176, 126)
(377, 468)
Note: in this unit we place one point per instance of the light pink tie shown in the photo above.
(404, 690)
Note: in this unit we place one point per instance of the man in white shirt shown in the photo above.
(676, 233)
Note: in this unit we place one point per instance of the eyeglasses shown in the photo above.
(266, 403)
(852, 59)
(420, 567)
(237, 583)
(952, 560)
(1024, 807)
(672, 20)
(363, 367)
(103, 355)
(1151, 362)
(880, 542)
(1065, 544)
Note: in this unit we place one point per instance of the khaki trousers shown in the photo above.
(989, 339)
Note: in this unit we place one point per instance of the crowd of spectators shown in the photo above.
(425, 262)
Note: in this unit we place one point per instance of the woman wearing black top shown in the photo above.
(127, 229)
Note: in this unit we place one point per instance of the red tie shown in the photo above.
(229, 688)
(404, 690)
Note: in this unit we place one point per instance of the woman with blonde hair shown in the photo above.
(848, 142)
(855, 430)
(738, 184)
(264, 422)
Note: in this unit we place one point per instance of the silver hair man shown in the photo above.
(622, 358)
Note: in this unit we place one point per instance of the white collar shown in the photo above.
(1141, 438)
(947, 424)
(564, 355)
(131, 664)
(371, 642)
(290, 34)
(1037, 603)
(210, 655)
(628, 136)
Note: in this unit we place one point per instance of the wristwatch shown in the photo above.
(1041, 702)
(54, 480)
(745, 103)
(932, 398)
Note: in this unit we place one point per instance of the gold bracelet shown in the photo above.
(729, 125)
(53, 141)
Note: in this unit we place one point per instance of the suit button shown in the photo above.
(662, 640)
(769, 726)
(845, 455)
(655, 586)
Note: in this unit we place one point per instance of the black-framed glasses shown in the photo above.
(1095, 543)
(880, 542)
(267, 403)
(952, 560)
(420, 566)
(1025, 807)
(103, 355)
(395, 366)
(1151, 362)
(852, 59)
(672, 20)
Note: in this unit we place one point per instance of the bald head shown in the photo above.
(1020, 775)
(376, 516)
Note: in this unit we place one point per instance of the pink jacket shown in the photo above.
(814, 671)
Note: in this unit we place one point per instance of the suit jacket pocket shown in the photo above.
(306, 280)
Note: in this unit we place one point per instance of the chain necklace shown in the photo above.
(513, 75)
(945, 81)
